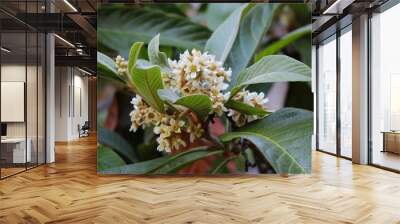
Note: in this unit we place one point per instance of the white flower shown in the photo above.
(177, 143)
(143, 115)
(121, 64)
(195, 131)
(169, 130)
(251, 98)
(200, 73)
(163, 144)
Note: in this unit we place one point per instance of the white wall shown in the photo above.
(71, 94)
(61, 103)
(16, 73)
(13, 73)
(80, 100)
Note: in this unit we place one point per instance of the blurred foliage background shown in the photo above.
(187, 25)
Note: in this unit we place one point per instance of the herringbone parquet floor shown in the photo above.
(70, 191)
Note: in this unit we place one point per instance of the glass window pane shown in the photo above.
(327, 96)
(13, 86)
(346, 94)
(385, 87)
(23, 86)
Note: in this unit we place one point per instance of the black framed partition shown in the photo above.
(22, 90)
(334, 89)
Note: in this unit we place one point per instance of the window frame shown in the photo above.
(339, 32)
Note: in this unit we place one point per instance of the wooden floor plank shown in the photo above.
(70, 191)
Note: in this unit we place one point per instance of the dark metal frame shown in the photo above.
(337, 34)
(369, 90)
(44, 73)
(338, 99)
(316, 97)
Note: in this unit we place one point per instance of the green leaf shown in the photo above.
(143, 63)
(183, 159)
(284, 138)
(274, 68)
(107, 158)
(222, 164)
(216, 162)
(138, 168)
(119, 27)
(198, 103)
(251, 32)
(217, 13)
(240, 163)
(169, 8)
(222, 39)
(245, 108)
(133, 55)
(106, 68)
(166, 164)
(284, 41)
(147, 81)
(156, 57)
(303, 46)
(168, 95)
(148, 151)
(249, 156)
(114, 141)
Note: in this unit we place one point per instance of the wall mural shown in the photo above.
(196, 88)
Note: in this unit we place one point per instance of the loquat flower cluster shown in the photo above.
(200, 73)
(170, 128)
(193, 73)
